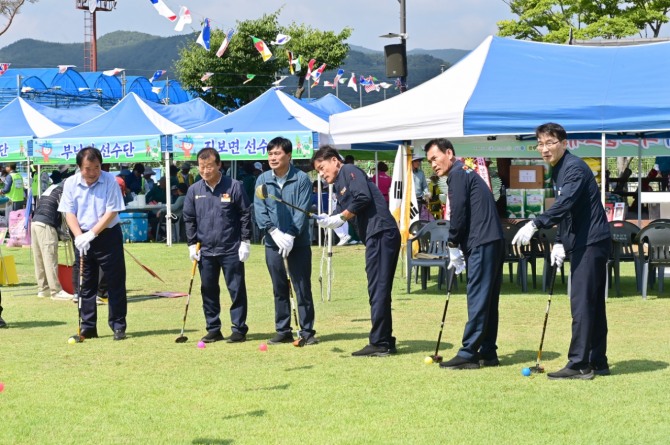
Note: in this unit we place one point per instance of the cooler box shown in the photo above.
(135, 226)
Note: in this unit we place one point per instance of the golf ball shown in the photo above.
(525, 372)
(201, 345)
(262, 347)
(428, 360)
(2, 386)
(71, 341)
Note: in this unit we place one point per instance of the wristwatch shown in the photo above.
(342, 217)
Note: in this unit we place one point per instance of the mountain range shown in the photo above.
(142, 54)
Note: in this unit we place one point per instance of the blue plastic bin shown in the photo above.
(135, 227)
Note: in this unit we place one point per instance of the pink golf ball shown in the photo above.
(201, 345)
(263, 347)
(2, 386)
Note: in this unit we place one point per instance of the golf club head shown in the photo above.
(262, 191)
(537, 369)
(77, 338)
(299, 343)
(181, 339)
(436, 358)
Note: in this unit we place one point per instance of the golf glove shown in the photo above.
(279, 238)
(557, 255)
(523, 236)
(456, 260)
(83, 241)
(284, 251)
(329, 221)
(193, 252)
(244, 251)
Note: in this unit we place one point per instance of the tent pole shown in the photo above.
(376, 169)
(319, 205)
(639, 181)
(168, 201)
(603, 170)
(360, 96)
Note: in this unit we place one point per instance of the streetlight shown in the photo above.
(396, 55)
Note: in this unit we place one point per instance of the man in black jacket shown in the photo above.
(475, 230)
(583, 233)
(216, 215)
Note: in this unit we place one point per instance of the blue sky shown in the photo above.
(431, 24)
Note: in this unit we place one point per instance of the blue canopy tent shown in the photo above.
(244, 133)
(171, 92)
(189, 114)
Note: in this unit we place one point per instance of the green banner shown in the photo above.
(52, 151)
(13, 149)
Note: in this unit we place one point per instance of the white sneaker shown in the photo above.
(41, 294)
(62, 295)
(344, 240)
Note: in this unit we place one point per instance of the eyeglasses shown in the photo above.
(542, 145)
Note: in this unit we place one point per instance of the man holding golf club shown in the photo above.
(584, 235)
(287, 237)
(359, 200)
(475, 237)
(216, 215)
(91, 202)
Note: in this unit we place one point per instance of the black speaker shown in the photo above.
(396, 60)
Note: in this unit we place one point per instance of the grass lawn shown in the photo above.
(150, 390)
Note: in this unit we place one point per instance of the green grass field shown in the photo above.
(150, 390)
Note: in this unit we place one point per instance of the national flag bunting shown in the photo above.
(352, 82)
(289, 56)
(339, 74)
(184, 19)
(92, 6)
(157, 75)
(203, 38)
(316, 75)
(226, 41)
(282, 39)
(156, 90)
(4, 67)
(371, 86)
(250, 77)
(113, 72)
(310, 65)
(262, 48)
(328, 83)
(278, 81)
(63, 68)
(206, 76)
(164, 10)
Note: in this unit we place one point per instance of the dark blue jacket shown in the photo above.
(218, 219)
(577, 210)
(357, 193)
(474, 217)
(297, 190)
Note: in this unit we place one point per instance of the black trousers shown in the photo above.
(588, 274)
(233, 272)
(485, 267)
(381, 259)
(300, 269)
(106, 254)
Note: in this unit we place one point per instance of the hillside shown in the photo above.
(142, 54)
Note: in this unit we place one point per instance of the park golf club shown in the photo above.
(182, 338)
(538, 369)
(436, 358)
(300, 342)
(78, 338)
(262, 193)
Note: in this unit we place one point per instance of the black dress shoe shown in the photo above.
(286, 337)
(236, 337)
(459, 362)
(212, 337)
(3, 324)
(489, 362)
(601, 369)
(574, 374)
(372, 351)
(89, 333)
(119, 334)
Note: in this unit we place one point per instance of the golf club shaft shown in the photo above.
(190, 287)
(79, 297)
(309, 214)
(292, 297)
(446, 305)
(546, 314)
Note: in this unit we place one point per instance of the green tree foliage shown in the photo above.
(242, 58)
(8, 10)
(552, 20)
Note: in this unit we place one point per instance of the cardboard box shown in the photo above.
(526, 176)
(516, 200)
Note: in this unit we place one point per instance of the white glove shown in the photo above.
(456, 260)
(329, 222)
(193, 252)
(523, 236)
(284, 251)
(83, 241)
(426, 196)
(557, 255)
(279, 238)
(244, 251)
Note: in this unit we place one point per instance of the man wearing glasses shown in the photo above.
(584, 235)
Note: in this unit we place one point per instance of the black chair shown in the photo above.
(432, 251)
(546, 238)
(413, 230)
(653, 252)
(623, 242)
(515, 255)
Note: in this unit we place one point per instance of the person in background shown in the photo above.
(216, 215)
(349, 159)
(383, 180)
(148, 179)
(287, 238)
(420, 185)
(135, 181)
(60, 174)
(91, 202)
(583, 234)
(157, 194)
(184, 176)
(44, 240)
(40, 182)
(13, 188)
(475, 231)
(360, 201)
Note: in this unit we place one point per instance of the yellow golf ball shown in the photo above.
(428, 360)
(71, 341)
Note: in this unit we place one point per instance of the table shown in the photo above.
(145, 208)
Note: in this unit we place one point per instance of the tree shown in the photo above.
(8, 10)
(241, 58)
(552, 20)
